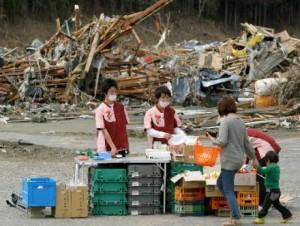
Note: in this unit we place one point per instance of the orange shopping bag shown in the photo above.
(206, 155)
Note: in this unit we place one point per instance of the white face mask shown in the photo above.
(112, 98)
(164, 104)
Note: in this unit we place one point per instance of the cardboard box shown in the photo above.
(190, 179)
(79, 200)
(177, 153)
(71, 201)
(211, 189)
(248, 179)
(63, 202)
(283, 36)
(188, 153)
(191, 184)
(211, 61)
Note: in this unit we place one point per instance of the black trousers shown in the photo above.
(261, 181)
(272, 197)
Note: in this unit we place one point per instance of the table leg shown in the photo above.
(165, 187)
(76, 173)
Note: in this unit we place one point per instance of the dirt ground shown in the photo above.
(55, 144)
(24, 32)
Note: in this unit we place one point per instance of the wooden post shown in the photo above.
(92, 51)
(77, 17)
(58, 26)
(136, 37)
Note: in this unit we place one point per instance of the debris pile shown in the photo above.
(69, 63)
(259, 65)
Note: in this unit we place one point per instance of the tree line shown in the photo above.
(230, 13)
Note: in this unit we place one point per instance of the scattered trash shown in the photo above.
(61, 78)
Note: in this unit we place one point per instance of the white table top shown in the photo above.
(126, 160)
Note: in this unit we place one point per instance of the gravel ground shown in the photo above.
(55, 159)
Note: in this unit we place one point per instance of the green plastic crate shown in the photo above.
(249, 211)
(178, 167)
(110, 199)
(171, 206)
(101, 187)
(116, 210)
(109, 175)
(189, 208)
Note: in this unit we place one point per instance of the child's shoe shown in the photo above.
(259, 221)
(287, 220)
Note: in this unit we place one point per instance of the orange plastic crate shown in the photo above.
(218, 202)
(247, 198)
(190, 194)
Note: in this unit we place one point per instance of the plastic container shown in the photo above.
(218, 202)
(177, 168)
(189, 194)
(140, 182)
(197, 209)
(100, 187)
(144, 210)
(102, 155)
(110, 210)
(249, 211)
(110, 199)
(150, 190)
(38, 192)
(265, 101)
(206, 155)
(144, 200)
(249, 198)
(109, 175)
(143, 170)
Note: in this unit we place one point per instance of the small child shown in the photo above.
(272, 176)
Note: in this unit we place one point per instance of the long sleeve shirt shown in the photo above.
(272, 175)
(234, 142)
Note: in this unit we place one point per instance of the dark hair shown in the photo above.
(162, 90)
(272, 157)
(226, 105)
(107, 84)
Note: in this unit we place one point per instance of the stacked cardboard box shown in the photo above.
(71, 201)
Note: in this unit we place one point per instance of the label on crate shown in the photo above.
(135, 192)
(134, 212)
(135, 203)
(135, 174)
(135, 184)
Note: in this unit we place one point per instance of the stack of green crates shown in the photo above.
(109, 191)
(174, 169)
(144, 194)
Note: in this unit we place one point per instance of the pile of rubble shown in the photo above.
(259, 66)
(71, 64)
(259, 62)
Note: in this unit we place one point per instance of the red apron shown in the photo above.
(170, 124)
(117, 130)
